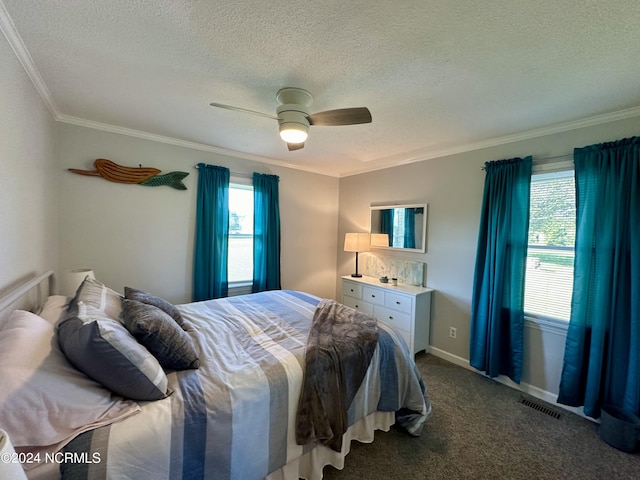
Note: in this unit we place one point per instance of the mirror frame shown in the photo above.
(423, 248)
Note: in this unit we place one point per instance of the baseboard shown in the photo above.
(522, 386)
(450, 357)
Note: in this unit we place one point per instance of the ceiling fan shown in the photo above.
(294, 118)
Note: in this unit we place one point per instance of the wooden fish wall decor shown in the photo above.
(142, 176)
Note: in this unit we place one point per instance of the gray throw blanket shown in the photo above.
(339, 349)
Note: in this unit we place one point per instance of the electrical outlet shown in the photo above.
(453, 332)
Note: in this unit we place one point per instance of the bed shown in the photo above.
(232, 417)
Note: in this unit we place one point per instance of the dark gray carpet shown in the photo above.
(480, 430)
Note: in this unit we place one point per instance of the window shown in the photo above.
(552, 234)
(398, 227)
(240, 259)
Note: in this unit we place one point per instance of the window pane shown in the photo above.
(240, 233)
(552, 233)
(398, 227)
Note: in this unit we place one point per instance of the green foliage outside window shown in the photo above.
(553, 212)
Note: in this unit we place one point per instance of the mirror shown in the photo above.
(402, 227)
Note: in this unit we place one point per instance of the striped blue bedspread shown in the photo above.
(234, 417)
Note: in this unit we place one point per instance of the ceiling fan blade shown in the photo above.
(244, 110)
(295, 146)
(342, 116)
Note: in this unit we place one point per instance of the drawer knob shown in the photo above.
(390, 317)
(373, 296)
(352, 289)
(397, 303)
(357, 306)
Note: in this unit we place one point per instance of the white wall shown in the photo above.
(143, 236)
(452, 187)
(28, 190)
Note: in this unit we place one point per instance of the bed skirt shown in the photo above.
(310, 465)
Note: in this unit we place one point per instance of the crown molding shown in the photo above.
(380, 164)
(497, 141)
(24, 57)
(106, 127)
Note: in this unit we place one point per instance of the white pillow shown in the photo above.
(44, 401)
(55, 308)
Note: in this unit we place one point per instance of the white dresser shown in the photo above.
(405, 307)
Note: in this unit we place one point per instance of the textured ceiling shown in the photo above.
(439, 76)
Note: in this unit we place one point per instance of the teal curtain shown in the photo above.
(602, 351)
(212, 233)
(266, 233)
(497, 315)
(409, 228)
(386, 224)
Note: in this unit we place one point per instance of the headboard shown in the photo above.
(28, 295)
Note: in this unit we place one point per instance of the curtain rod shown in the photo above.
(553, 159)
(233, 174)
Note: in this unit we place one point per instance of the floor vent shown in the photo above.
(540, 408)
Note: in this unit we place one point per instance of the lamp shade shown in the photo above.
(73, 279)
(357, 242)
(379, 240)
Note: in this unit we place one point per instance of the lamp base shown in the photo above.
(356, 275)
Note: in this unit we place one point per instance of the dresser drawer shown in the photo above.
(358, 304)
(351, 289)
(393, 318)
(373, 295)
(404, 308)
(398, 302)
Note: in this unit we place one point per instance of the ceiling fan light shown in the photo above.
(294, 132)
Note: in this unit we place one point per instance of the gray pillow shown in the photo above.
(105, 351)
(147, 298)
(92, 292)
(163, 337)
